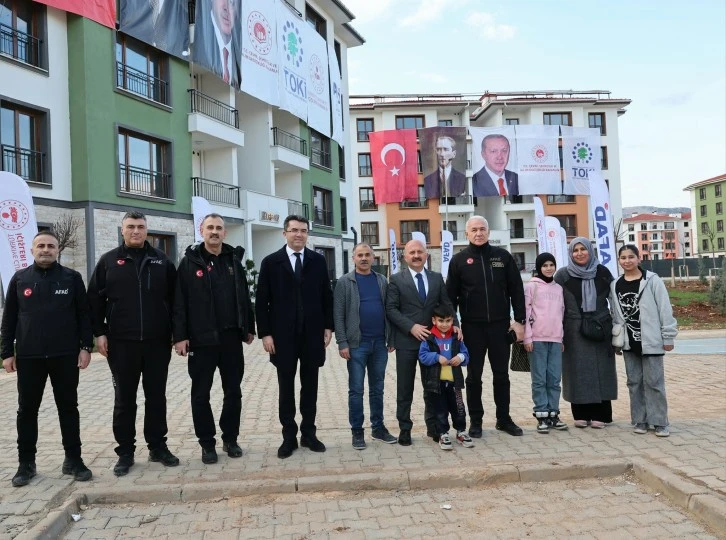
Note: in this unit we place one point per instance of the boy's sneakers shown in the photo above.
(556, 423)
(445, 442)
(662, 431)
(359, 442)
(543, 421)
(462, 437)
(640, 428)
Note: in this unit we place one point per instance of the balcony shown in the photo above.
(289, 152)
(266, 211)
(142, 84)
(213, 124)
(216, 192)
(144, 183)
(321, 158)
(20, 46)
(297, 208)
(323, 218)
(27, 164)
(368, 205)
(519, 203)
(461, 204)
(523, 234)
(421, 202)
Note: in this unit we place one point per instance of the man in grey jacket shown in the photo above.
(362, 332)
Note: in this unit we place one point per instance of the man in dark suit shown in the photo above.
(216, 42)
(493, 179)
(294, 305)
(160, 23)
(412, 296)
(445, 181)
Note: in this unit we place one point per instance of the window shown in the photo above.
(669, 245)
(446, 123)
(719, 243)
(346, 261)
(23, 142)
(408, 227)
(656, 257)
(669, 225)
(604, 157)
(516, 228)
(329, 255)
(705, 228)
(409, 122)
(687, 244)
(164, 242)
(558, 119)
(452, 227)
(569, 223)
(511, 121)
(703, 210)
(22, 29)
(704, 244)
(343, 215)
(367, 201)
(141, 70)
(319, 150)
(419, 163)
(656, 247)
(719, 208)
(364, 165)
(369, 233)
(420, 202)
(702, 193)
(655, 236)
(686, 234)
(323, 207)
(144, 165)
(597, 120)
(364, 127)
(645, 247)
(685, 224)
(315, 20)
(341, 163)
(717, 190)
(719, 225)
(654, 226)
(560, 199)
(643, 226)
(631, 238)
(338, 56)
(643, 236)
(631, 226)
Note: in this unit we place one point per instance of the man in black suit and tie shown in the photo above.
(216, 43)
(412, 296)
(160, 23)
(493, 179)
(445, 181)
(294, 306)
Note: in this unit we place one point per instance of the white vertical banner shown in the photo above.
(563, 246)
(200, 208)
(602, 218)
(259, 60)
(18, 226)
(581, 155)
(316, 58)
(293, 61)
(554, 243)
(539, 219)
(336, 97)
(539, 159)
(447, 251)
(393, 251)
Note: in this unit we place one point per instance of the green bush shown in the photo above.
(717, 295)
(702, 270)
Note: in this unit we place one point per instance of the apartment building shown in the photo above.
(511, 218)
(659, 236)
(707, 205)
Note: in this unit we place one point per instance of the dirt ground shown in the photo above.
(696, 314)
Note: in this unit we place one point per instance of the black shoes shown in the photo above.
(209, 455)
(359, 441)
(287, 447)
(383, 435)
(508, 426)
(124, 463)
(312, 443)
(163, 456)
(475, 431)
(404, 437)
(77, 468)
(433, 435)
(26, 471)
(232, 448)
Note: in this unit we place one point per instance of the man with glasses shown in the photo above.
(294, 305)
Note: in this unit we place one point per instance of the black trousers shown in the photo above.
(449, 401)
(286, 370)
(602, 412)
(32, 375)
(131, 361)
(406, 362)
(480, 339)
(203, 361)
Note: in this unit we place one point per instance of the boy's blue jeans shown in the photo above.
(546, 368)
(372, 354)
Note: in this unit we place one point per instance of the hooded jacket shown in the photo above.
(428, 355)
(545, 313)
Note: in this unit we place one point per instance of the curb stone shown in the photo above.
(55, 523)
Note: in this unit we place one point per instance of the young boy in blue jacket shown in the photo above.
(442, 356)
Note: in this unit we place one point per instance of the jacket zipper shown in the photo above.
(141, 301)
(486, 285)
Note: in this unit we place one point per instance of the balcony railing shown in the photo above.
(216, 192)
(144, 182)
(521, 232)
(462, 199)
(421, 202)
(519, 199)
(368, 205)
(208, 106)
(27, 164)
(288, 140)
(20, 46)
(297, 208)
(142, 84)
(320, 158)
(323, 217)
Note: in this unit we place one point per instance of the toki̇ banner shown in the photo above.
(18, 226)
(163, 24)
(602, 219)
(443, 159)
(394, 159)
(336, 97)
(539, 159)
(494, 158)
(318, 84)
(259, 63)
(581, 155)
(293, 53)
(101, 11)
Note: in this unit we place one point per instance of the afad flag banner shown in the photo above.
(101, 11)
(494, 161)
(602, 218)
(18, 226)
(581, 155)
(393, 251)
(318, 83)
(200, 208)
(394, 161)
(539, 221)
(293, 54)
(336, 97)
(443, 159)
(165, 25)
(259, 62)
(447, 250)
(554, 241)
(539, 159)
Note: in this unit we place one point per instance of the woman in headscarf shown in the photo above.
(589, 379)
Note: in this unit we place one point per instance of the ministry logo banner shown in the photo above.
(318, 83)
(336, 97)
(494, 158)
(443, 158)
(293, 60)
(163, 24)
(581, 155)
(539, 159)
(259, 61)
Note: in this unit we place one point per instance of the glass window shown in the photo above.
(315, 20)
(704, 244)
(369, 233)
(597, 120)
(341, 162)
(367, 202)
(364, 165)
(705, 228)
(409, 122)
(717, 190)
(644, 236)
(343, 215)
(164, 242)
(702, 193)
(511, 121)
(631, 238)
(21, 24)
(719, 243)
(141, 69)
(408, 227)
(719, 225)
(669, 225)
(643, 226)
(319, 149)
(364, 126)
(703, 210)
(719, 208)
(569, 223)
(631, 226)
(446, 123)
(329, 255)
(23, 142)
(144, 167)
(560, 199)
(604, 157)
(558, 119)
(323, 207)
(420, 202)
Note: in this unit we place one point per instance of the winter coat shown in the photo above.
(346, 310)
(428, 355)
(545, 314)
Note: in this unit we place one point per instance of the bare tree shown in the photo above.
(66, 229)
(710, 233)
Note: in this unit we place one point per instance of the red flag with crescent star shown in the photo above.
(394, 160)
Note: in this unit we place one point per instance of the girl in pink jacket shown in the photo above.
(543, 333)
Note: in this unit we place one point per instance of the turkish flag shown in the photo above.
(395, 165)
(101, 11)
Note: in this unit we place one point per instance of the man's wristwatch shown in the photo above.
(87, 349)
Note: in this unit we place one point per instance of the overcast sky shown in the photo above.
(668, 57)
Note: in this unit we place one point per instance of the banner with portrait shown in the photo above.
(443, 159)
(336, 97)
(318, 83)
(581, 155)
(259, 63)
(539, 159)
(293, 61)
(494, 161)
(163, 24)
(217, 38)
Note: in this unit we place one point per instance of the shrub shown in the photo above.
(717, 294)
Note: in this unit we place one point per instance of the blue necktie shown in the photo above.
(421, 288)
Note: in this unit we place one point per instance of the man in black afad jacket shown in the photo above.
(213, 316)
(131, 293)
(46, 319)
(483, 282)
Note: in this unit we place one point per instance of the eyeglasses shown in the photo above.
(296, 231)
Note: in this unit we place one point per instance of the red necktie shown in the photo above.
(502, 190)
(226, 69)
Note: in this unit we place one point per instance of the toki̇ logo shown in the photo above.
(582, 153)
(292, 45)
(13, 215)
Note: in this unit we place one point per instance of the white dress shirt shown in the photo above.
(423, 275)
(495, 178)
(291, 256)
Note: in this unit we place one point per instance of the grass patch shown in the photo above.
(685, 298)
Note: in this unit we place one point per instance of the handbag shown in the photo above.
(520, 358)
(592, 326)
(618, 335)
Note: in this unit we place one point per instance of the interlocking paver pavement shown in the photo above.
(696, 392)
